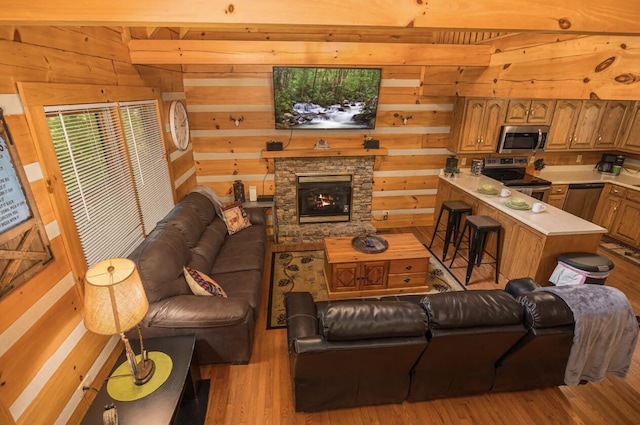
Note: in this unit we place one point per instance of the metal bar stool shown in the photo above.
(455, 210)
(478, 227)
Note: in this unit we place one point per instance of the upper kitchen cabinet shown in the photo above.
(631, 136)
(612, 125)
(534, 111)
(589, 118)
(476, 125)
(563, 124)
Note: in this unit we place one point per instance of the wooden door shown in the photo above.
(626, 225)
(589, 119)
(373, 275)
(491, 125)
(611, 126)
(344, 277)
(607, 208)
(540, 111)
(471, 127)
(517, 111)
(631, 137)
(563, 124)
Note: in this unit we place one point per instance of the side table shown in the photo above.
(161, 406)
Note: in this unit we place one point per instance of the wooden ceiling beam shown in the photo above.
(307, 53)
(563, 16)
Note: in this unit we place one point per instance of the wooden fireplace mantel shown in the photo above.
(324, 153)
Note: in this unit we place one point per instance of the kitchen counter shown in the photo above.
(531, 242)
(586, 174)
(551, 222)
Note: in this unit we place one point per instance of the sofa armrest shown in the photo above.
(521, 286)
(302, 319)
(256, 215)
(193, 311)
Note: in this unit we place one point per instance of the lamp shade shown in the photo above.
(114, 300)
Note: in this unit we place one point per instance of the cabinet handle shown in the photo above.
(533, 112)
(615, 190)
(599, 138)
(407, 280)
(478, 140)
(558, 190)
(481, 140)
(408, 267)
(570, 139)
(526, 112)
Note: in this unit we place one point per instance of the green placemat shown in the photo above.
(121, 387)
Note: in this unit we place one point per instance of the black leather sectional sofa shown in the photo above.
(351, 353)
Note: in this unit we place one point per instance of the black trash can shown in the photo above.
(581, 267)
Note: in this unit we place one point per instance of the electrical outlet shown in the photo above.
(579, 158)
(385, 215)
(463, 161)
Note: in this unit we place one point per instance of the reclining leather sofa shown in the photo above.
(192, 235)
(348, 353)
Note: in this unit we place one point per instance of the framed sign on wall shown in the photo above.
(24, 246)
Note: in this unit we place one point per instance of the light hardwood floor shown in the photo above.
(260, 392)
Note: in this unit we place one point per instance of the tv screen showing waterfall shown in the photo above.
(315, 98)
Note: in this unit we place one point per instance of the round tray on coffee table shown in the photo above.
(369, 244)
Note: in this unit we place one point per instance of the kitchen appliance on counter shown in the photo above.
(610, 164)
(523, 138)
(511, 171)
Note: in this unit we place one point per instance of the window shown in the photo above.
(115, 173)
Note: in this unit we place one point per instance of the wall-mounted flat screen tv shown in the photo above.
(317, 98)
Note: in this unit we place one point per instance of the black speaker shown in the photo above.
(372, 144)
(274, 146)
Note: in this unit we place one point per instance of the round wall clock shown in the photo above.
(179, 123)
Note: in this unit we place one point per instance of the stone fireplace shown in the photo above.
(355, 172)
(324, 198)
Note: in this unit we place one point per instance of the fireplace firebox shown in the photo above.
(324, 198)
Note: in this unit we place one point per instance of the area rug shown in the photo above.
(302, 271)
(630, 254)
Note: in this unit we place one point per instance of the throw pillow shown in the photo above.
(201, 284)
(235, 217)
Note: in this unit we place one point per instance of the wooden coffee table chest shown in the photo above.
(402, 268)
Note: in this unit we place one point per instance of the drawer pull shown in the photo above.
(408, 267)
(407, 280)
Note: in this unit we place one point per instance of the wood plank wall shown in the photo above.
(45, 350)
(406, 183)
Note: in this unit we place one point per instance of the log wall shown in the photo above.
(45, 351)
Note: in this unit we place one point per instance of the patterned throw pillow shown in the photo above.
(201, 284)
(235, 217)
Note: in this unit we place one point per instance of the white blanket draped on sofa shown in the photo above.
(605, 335)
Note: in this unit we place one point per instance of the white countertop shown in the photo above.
(587, 174)
(551, 222)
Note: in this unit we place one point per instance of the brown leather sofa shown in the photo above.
(473, 342)
(193, 235)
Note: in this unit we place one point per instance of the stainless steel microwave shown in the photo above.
(523, 138)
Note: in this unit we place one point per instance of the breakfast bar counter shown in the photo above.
(530, 241)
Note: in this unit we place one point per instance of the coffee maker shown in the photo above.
(610, 164)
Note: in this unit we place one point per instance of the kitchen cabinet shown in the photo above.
(529, 111)
(477, 124)
(563, 124)
(589, 119)
(557, 195)
(608, 206)
(611, 127)
(626, 223)
(631, 136)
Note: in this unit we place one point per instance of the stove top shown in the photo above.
(512, 171)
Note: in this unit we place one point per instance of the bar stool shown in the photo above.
(455, 210)
(478, 227)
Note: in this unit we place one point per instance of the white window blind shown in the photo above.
(97, 174)
(148, 160)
